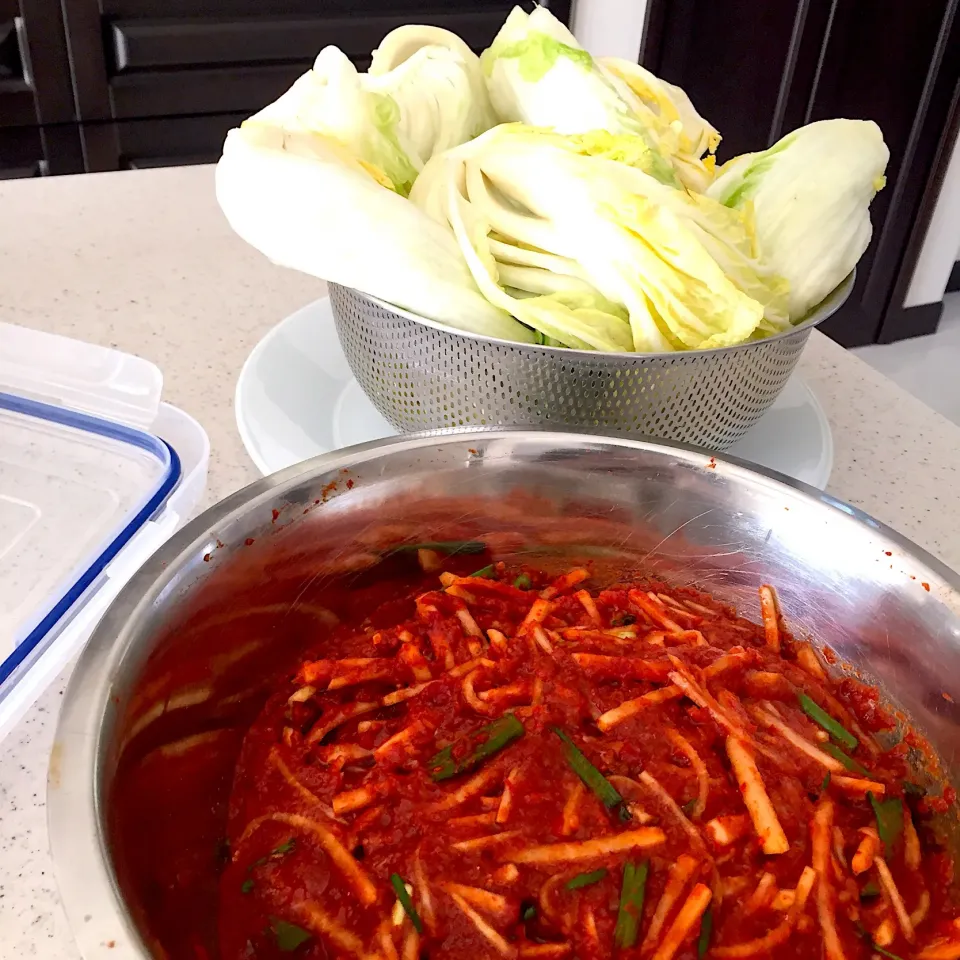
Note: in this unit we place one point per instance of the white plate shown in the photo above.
(296, 398)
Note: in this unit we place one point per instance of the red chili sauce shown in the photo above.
(508, 766)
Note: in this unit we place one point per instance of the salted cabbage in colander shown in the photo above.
(539, 195)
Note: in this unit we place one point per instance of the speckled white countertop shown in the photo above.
(144, 262)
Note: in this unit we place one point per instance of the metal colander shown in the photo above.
(421, 375)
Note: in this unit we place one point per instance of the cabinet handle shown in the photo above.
(24, 49)
(14, 59)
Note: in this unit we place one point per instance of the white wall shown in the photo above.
(610, 28)
(941, 246)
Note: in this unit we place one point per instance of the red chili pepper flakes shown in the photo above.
(925, 585)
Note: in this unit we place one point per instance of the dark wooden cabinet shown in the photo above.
(120, 84)
(35, 85)
(758, 69)
(40, 151)
(115, 84)
(38, 132)
(157, 141)
(22, 153)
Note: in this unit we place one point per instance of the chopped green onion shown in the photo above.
(601, 787)
(586, 879)
(826, 784)
(529, 912)
(442, 765)
(687, 808)
(631, 904)
(281, 850)
(847, 761)
(889, 814)
(871, 889)
(522, 582)
(706, 931)
(289, 935)
(816, 713)
(246, 886)
(499, 734)
(484, 572)
(865, 935)
(400, 889)
(443, 546)
(884, 952)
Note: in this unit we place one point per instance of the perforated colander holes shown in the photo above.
(732, 388)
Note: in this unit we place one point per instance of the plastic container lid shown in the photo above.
(85, 495)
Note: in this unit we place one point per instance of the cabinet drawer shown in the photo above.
(162, 142)
(158, 44)
(18, 107)
(174, 93)
(34, 68)
(199, 56)
(21, 153)
(37, 151)
(411, 11)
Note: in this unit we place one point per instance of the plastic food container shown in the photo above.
(95, 473)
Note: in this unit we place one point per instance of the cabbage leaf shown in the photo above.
(307, 202)
(595, 253)
(330, 101)
(539, 75)
(438, 84)
(810, 196)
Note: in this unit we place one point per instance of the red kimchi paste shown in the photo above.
(506, 765)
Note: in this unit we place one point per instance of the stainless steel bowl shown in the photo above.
(422, 375)
(162, 669)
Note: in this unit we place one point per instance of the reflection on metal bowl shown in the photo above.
(163, 685)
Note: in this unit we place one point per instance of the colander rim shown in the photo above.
(823, 310)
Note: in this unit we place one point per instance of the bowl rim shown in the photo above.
(825, 309)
